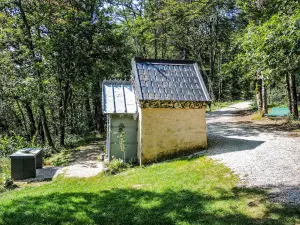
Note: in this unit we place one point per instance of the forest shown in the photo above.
(54, 55)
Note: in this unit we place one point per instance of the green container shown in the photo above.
(25, 162)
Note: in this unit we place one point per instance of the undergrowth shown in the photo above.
(116, 166)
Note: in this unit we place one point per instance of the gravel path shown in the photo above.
(260, 155)
(86, 162)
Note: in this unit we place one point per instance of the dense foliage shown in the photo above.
(55, 54)
(8, 145)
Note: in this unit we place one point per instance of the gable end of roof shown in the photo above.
(136, 80)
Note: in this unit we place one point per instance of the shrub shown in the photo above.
(6, 180)
(258, 115)
(47, 151)
(9, 145)
(116, 166)
(2, 189)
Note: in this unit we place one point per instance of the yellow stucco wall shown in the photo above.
(166, 131)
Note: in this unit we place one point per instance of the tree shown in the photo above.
(263, 46)
(270, 52)
(54, 57)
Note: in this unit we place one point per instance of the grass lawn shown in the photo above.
(182, 191)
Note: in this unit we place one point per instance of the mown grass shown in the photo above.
(182, 191)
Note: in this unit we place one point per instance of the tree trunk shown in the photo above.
(264, 98)
(294, 96)
(211, 75)
(18, 122)
(288, 87)
(220, 77)
(52, 112)
(41, 131)
(72, 118)
(258, 91)
(24, 120)
(88, 112)
(164, 42)
(46, 127)
(27, 106)
(98, 116)
(63, 105)
(61, 123)
(97, 107)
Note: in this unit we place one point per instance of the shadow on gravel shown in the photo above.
(285, 195)
(219, 144)
(243, 128)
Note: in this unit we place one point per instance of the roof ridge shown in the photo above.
(116, 81)
(167, 61)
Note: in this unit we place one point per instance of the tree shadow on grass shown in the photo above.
(136, 206)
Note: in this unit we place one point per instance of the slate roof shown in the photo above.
(118, 97)
(168, 80)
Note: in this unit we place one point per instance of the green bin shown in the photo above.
(25, 162)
